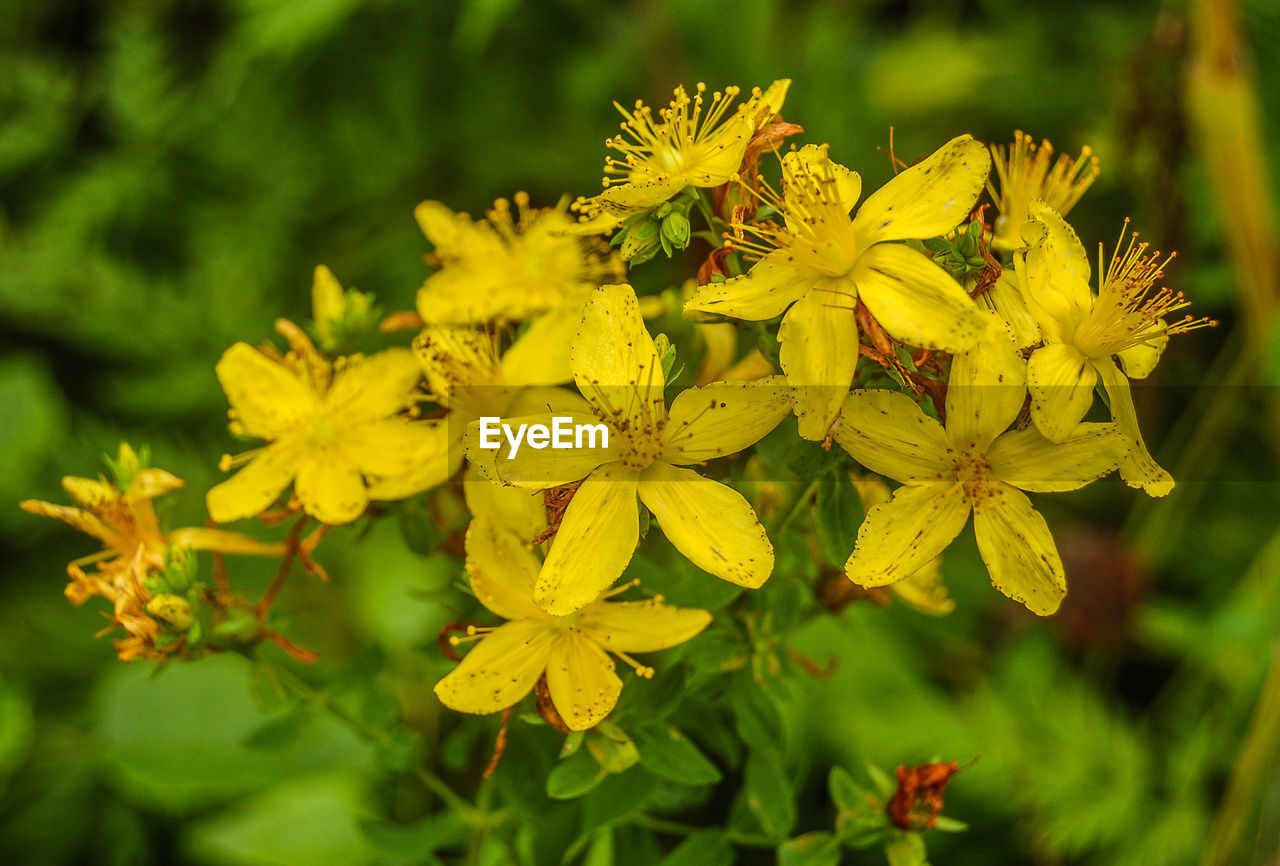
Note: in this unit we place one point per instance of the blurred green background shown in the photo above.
(171, 172)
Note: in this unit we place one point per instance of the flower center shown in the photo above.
(1129, 310)
(676, 145)
(971, 471)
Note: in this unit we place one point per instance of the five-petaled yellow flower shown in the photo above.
(617, 369)
(699, 149)
(134, 546)
(572, 651)
(1082, 332)
(335, 430)
(820, 263)
(970, 465)
(508, 269)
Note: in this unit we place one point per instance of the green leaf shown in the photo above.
(838, 515)
(612, 748)
(845, 792)
(768, 792)
(575, 776)
(311, 819)
(708, 848)
(812, 849)
(281, 731)
(758, 719)
(414, 842)
(616, 797)
(905, 849)
(666, 752)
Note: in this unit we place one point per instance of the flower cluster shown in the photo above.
(953, 355)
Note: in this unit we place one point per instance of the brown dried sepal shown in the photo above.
(556, 500)
(917, 802)
(835, 591)
(546, 707)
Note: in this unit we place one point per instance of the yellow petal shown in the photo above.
(929, 198)
(641, 626)
(536, 399)
(93, 494)
(915, 300)
(581, 680)
(81, 520)
(1060, 381)
(499, 670)
(330, 487)
(642, 193)
(1058, 242)
(540, 356)
(441, 225)
(1140, 469)
(1027, 460)
(711, 524)
(1018, 549)
(596, 540)
(202, 538)
(1005, 298)
(268, 397)
(546, 466)
(986, 388)
(514, 509)
(723, 418)
(392, 446)
(615, 363)
(812, 161)
(772, 285)
(900, 536)
(502, 571)
(374, 387)
(819, 337)
(1138, 361)
(1054, 274)
(439, 456)
(251, 490)
(889, 434)
(150, 483)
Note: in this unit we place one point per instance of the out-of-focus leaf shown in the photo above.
(767, 790)
(163, 750)
(708, 848)
(308, 821)
(837, 516)
(575, 776)
(819, 848)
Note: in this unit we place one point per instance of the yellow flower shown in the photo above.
(332, 429)
(819, 264)
(133, 546)
(510, 269)
(699, 149)
(923, 589)
(1025, 175)
(971, 465)
(571, 651)
(617, 368)
(1082, 332)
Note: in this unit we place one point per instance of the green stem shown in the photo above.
(1253, 770)
(789, 509)
(675, 828)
